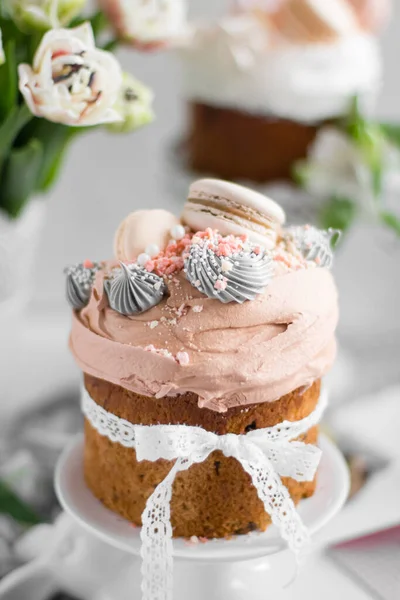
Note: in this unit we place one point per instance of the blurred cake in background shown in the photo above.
(262, 81)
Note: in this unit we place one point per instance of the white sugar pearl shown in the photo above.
(142, 259)
(152, 250)
(177, 232)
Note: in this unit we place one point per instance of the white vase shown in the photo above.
(19, 239)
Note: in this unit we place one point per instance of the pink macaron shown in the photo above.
(233, 209)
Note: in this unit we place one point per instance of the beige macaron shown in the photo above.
(143, 229)
(233, 209)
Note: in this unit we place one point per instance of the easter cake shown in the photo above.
(222, 320)
(262, 81)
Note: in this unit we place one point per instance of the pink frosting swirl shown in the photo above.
(229, 355)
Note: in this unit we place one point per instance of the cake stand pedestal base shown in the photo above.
(94, 554)
(258, 579)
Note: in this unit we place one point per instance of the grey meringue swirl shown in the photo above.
(237, 278)
(79, 284)
(132, 289)
(314, 244)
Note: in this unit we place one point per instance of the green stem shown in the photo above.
(10, 128)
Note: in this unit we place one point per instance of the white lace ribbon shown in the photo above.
(265, 454)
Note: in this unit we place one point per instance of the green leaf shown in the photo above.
(52, 162)
(55, 139)
(377, 179)
(392, 132)
(391, 221)
(18, 117)
(8, 80)
(9, 130)
(32, 43)
(20, 176)
(354, 111)
(11, 505)
(98, 22)
(369, 138)
(111, 45)
(338, 213)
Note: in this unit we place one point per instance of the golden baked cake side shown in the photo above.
(215, 498)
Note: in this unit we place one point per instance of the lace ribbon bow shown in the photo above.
(265, 454)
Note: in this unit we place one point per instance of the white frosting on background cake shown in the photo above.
(234, 65)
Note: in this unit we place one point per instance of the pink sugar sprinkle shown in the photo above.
(197, 308)
(221, 245)
(183, 358)
(88, 264)
(149, 266)
(170, 260)
(208, 233)
(224, 249)
(281, 258)
(221, 284)
(175, 265)
(180, 310)
(229, 245)
(288, 256)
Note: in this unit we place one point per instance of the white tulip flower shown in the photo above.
(71, 81)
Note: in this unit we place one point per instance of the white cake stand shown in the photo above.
(235, 569)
